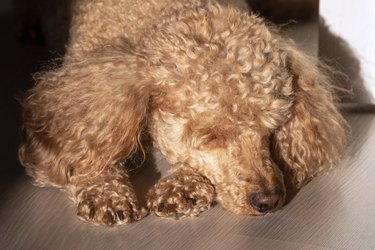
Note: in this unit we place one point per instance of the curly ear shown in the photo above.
(85, 116)
(316, 135)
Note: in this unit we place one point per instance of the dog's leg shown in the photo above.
(107, 199)
(183, 193)
(81, 120)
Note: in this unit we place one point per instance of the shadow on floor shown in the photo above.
(18, 61)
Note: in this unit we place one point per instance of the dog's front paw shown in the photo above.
(181, 195)
(109, 205)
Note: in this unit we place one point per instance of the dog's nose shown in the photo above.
(265, 202)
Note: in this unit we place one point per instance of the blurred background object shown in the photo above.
(284, 11)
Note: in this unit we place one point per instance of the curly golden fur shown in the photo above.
(235, 107)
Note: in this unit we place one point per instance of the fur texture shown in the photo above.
(234, 107)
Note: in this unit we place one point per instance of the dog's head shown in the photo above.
(242, 105)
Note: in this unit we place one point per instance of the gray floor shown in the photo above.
(334, 211)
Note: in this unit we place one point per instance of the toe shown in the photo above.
(108, 218)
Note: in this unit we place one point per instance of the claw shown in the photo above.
(120, 215)
(92, 213)
(213, 203)
(160, 207)
(108, 218)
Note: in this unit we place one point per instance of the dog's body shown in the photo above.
(230, 103)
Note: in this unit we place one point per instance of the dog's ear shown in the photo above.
(316, 135)
(85, 116)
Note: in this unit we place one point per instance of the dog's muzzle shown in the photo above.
(265, 202)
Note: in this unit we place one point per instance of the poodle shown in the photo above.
(237, 110)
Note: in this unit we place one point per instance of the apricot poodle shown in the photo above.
(236, 108)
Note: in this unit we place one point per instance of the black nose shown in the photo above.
(265, 202)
